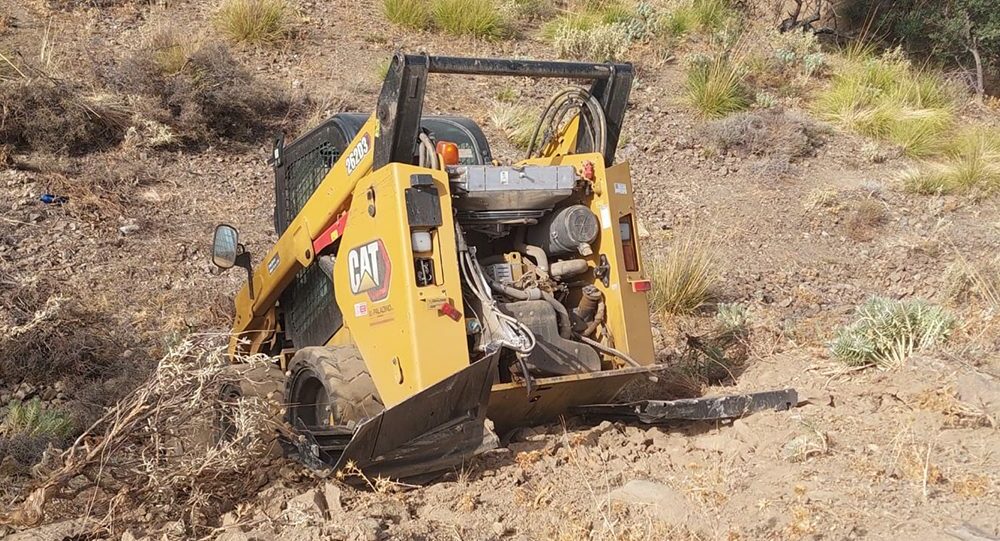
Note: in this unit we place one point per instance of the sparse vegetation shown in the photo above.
(506, 94)
(715, 87)
(213, 96)
(254, 21)
(30, 419)
(969, 161)
(733, 317)
(380, 69)
(865, 220)
(777, 132)
(475, 18)
(415, 14)
(886, 332)
(884, 97)
(517, 122)
(683, 279)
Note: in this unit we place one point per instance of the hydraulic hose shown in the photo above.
(609, 350)
(558, 106)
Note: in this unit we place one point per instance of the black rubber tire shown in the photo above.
(266, 382)
(330, 386)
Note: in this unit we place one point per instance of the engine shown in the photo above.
(525, 236)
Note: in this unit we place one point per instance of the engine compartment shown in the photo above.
(529, 295)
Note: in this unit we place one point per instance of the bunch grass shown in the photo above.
(683, 279)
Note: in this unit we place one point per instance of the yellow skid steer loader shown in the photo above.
(420, 287)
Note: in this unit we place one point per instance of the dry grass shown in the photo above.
(517, 122)
(959, 414)
(43, 112)
(773, 132)
(50, 335)
(171, 48)
(211, 97)
(683, 279)
(866, 219)
(481, 19)
(969, 161)
(255, 22)
(967, 280)
(150, 448)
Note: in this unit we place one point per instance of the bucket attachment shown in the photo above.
(425, 435)
(694, 409)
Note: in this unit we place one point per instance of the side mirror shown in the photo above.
(227, 252)
(225, 246)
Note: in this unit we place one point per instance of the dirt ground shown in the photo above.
(912, 453)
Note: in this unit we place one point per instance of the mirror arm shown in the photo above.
(243, 260)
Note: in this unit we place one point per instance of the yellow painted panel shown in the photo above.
(406, 341)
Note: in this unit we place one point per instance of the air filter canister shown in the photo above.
(566, 231)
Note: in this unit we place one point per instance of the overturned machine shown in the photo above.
(419, 286)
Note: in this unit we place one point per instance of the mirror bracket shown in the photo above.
(243, 260)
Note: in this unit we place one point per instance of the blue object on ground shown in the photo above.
(48, 198)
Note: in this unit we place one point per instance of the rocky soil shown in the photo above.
(804, 232)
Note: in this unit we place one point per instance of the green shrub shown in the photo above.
(254, 21)
(476, 18)
(677, 23)
(733, 317)
(601, 43)
(414, 14)
(682, 280)
(886, 332)
(970, 161)
(715, 87)
(29, 419)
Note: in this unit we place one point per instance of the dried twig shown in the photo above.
(154, 443)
